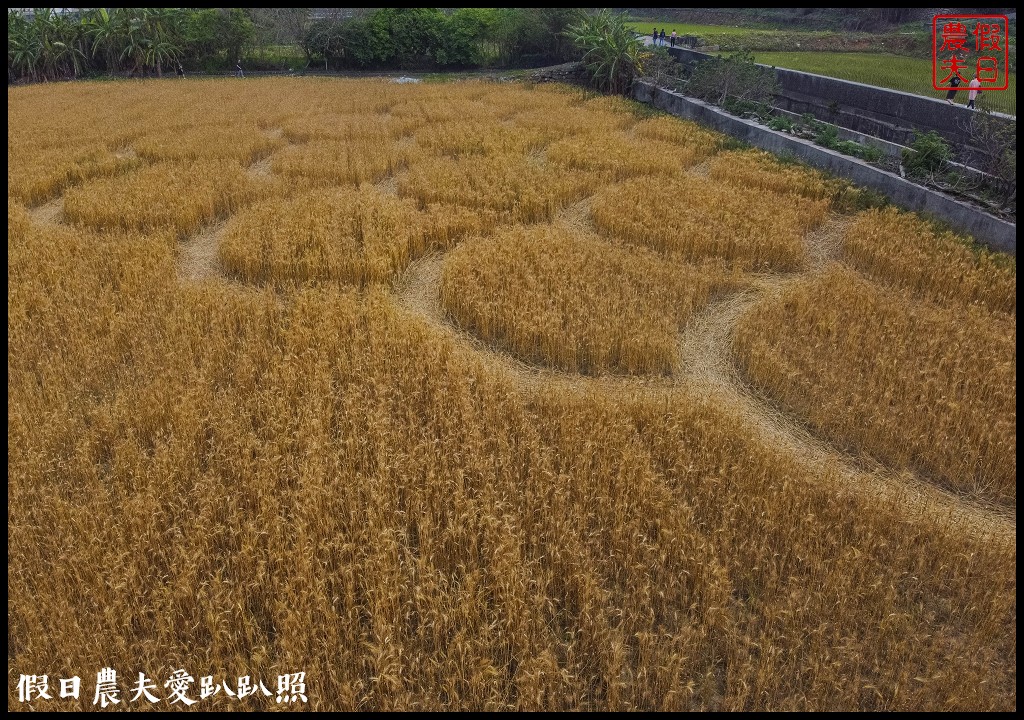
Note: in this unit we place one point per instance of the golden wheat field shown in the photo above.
(488, 396)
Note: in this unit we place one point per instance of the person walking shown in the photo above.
(654, 37)
(975, 88)
(663, 37)
(238, 70)
(179, 69)
(672, 40)
(955, 82)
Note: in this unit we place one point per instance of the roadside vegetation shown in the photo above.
(48, 44)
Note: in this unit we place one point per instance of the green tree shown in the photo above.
(217, 38)
(64, 50)
(237, 33)
(415, 33)
(464, 36)
(134, 43)
(927, 155)
(995, 141)
(327, 40)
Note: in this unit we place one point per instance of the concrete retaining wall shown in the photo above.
(986, 229)
(889, 115)
(893, 150)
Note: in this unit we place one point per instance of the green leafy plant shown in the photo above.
(848, 147)
(871, 154)
(826, 135)
(762, 112)
(928, 154)
(611, 50)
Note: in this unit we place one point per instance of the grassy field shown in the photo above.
(489, 396)
(891, 71)
(884, 69)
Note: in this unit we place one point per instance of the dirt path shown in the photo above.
(388, 186)
(260, 168)
(577, 215)
(705, 355)
(701, 169)
(705, 359)
(198, 258)
(50, 213)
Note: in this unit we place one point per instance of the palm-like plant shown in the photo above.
(104, 31)
(24, 50)
(64, 47)
(159, 52)
(134, 44)
(611, 50)
(163, 28)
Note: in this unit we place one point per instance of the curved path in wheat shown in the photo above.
(708, 368)
(705, 357)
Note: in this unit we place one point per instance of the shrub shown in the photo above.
(871, 154)
(826, 135)
(736, 76)
(996, 139)
(661, 69)
(926, 155)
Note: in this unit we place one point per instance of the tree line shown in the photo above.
(49, 45)
(44, 44)
(427, 38)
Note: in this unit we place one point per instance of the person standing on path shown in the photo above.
(654, 37)
(974, 86)
(180, 70)
(663, 37)
(672, 40)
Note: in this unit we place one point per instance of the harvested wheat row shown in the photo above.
(918, 385)
(618, 156)
(176, 196)
(241, 142)
(340, 162)
(565, 298)
(507, 184)
(757, 169)
(680, 132)
(33, 177)
(549, 112)
(352, 126)
(356, 236)
(459, 137)
(697, 218)
(903, 250)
